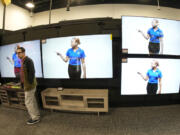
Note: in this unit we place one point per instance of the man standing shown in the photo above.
(29, 83)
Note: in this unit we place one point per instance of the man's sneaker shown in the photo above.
(30, 122)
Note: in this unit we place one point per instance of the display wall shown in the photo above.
(140, 82)
(94, 27)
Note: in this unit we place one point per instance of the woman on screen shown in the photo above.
(16, 62)
(156, 38)
(75, 56)
(154, 77)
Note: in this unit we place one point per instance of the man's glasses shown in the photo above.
(18, 52)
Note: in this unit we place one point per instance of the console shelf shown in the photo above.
(88, 100)
(12, 97)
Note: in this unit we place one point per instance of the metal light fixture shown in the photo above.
(50, 8)
(158, 5)
(68, 5)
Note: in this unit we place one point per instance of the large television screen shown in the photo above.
(144, 35)
(149, 76)
(9, 59)
(88, 56)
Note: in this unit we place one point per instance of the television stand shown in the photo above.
(83, 100)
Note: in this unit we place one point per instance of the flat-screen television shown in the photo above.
(149, 76)
(0, 66)
(78, 57)
(9, 59)
(145, 35)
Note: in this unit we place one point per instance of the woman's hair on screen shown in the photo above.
(77, 40)
(156, 20)
(156, 62)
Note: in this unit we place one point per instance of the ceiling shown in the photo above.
(44, 5)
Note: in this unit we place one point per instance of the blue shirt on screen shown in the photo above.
(154, 75)
(17, 60)
(155, 35)
(75, 56)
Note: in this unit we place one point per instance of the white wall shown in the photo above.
(16, 17)
(1, 15)
(105, 10)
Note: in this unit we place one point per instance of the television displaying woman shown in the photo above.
(155, 35)
(16, 62)
(154, 77)
(76, 57)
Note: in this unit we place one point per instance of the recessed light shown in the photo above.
(30, 5)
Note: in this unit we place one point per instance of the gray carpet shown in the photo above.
(158, 120)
